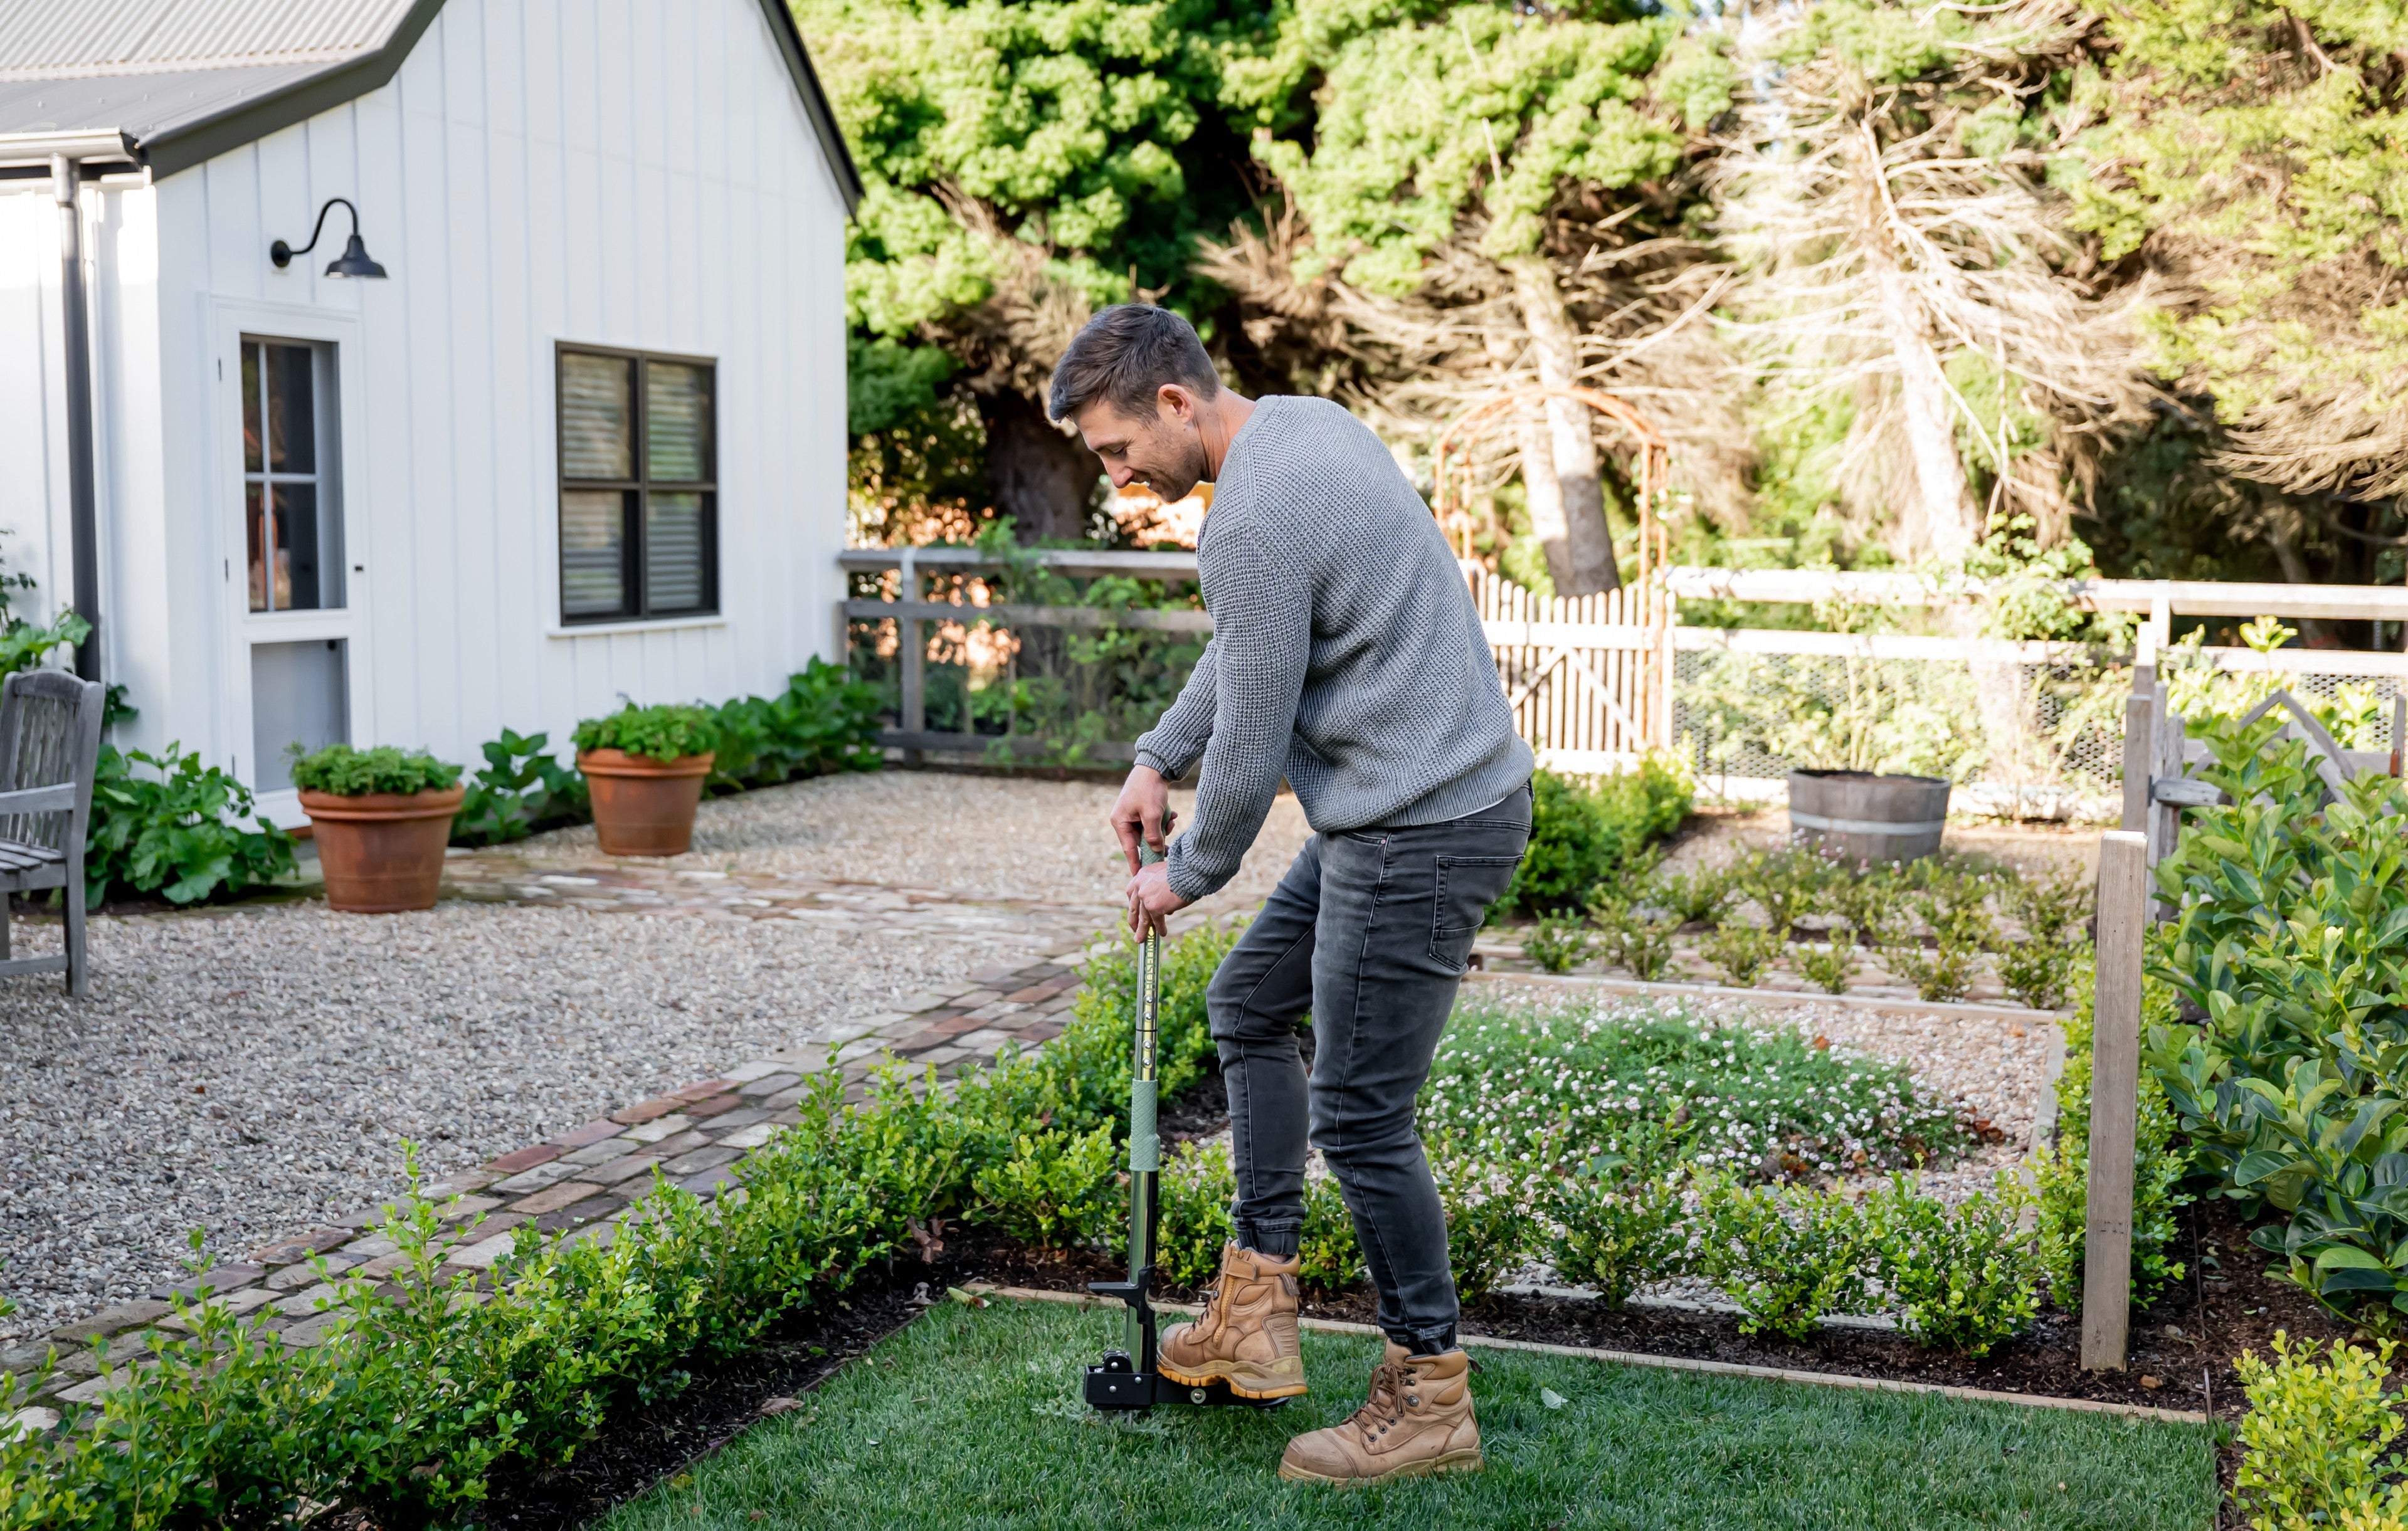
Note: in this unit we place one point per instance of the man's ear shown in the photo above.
(1176, 404)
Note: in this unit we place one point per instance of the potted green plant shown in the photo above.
(380, 819)
(645, 767)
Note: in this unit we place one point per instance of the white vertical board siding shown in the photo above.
(33, 428)
(632, 173)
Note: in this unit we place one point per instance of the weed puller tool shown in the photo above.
(1126, 1378)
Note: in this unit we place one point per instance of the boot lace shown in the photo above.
(1391, 1380)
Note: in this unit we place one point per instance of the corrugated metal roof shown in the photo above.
(189, 79)
(144, 106)
(103, 38)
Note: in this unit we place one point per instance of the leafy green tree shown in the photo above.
(1441, 135)
(1024, 163)
(2257, 156)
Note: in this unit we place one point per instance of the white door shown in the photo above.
(291, 564)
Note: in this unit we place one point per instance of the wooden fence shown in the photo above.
(1594, 680)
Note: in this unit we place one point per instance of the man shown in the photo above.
(1346, 657)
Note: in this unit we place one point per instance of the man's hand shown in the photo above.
(1142, 815)
(1151, 902)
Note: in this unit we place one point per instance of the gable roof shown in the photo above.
(180, 81)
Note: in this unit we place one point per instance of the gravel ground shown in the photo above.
(255, 1072)
(980, 837)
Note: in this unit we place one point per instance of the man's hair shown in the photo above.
(1124, 355)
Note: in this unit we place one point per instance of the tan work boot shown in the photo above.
(1247, 1335)
(1417, 1420)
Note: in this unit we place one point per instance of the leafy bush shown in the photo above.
(1827, 967)
(1617, 1220)
(665, 732)
(1054, 1192)
(825, 720)
(346, 772)
(1697, 897)
(1489, 1229)
(1785, 884)
(2037, 972)
(1185, 1042)
(1581, 833)
(1939, 973)
(1330, 1260)
(1631, 941)
(1199, 1185)
(2316, 1439)
(521, 791)
(1786, 1256)
(163, 823)
(1964, 1277)
(1557, 944)
(1740, 952)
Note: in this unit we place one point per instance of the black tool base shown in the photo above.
(1116, 1384)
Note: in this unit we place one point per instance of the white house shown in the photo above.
(584, 437)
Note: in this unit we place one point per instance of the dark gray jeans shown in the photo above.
(1371, 929)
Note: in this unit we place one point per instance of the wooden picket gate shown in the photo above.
(1589, 678)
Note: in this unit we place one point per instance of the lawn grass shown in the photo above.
(971, 1417)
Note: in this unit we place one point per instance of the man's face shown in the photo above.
(1166, 452)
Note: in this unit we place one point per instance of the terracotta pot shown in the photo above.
(381, 852)
(644, 807)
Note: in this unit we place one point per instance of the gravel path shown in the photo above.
(253, 1070)
(978, 837)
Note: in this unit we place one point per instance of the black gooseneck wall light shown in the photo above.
(352, 261)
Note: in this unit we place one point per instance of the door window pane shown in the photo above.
(593, 552)
(598, 422)
(292, 418)
(252, 426)
(254, 531)
(296, 547)
(673, 552)
(297, 699)
(677, 421)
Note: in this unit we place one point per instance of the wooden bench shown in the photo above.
(49, 748)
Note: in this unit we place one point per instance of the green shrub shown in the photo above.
(1630, 940)
(1581, 833)
(665, 732)
(825, 720)
(1489, 1229)
(1198, 1186)
(1940, 973)
(1185, 1046)
(1740, 952)
(1056, 1192)
(1557, 944)
(1615, 1220)
(1697, 897)
(1787, 1255)
(163, 823)
(1784, 883)
(1963, 1277)
(1827, 967)
(521, 791)
(345, 772)
(2316, 1439)
(2037, 972)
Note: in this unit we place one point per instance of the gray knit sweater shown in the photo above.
(1345, 652)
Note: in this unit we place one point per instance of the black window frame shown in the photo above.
(636, 493)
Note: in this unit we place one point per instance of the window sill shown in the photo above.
(643, 625)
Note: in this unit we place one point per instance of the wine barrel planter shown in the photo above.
(1862, 819)
(382, 853)
(644, 807)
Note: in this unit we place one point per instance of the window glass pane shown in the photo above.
(254, 533)
(673, 554)
(250, 421)
(597, 424)
(593, 552)
(677, 421)
(296, 543)
(292, 420)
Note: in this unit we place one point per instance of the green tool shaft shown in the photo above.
(1145, 1141)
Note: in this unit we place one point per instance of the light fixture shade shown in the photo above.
(354, 261)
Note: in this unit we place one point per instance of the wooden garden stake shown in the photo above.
(2114, 1099)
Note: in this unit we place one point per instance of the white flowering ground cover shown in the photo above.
(1522, 1085)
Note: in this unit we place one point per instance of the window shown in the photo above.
(292, 534)
(638, 492)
